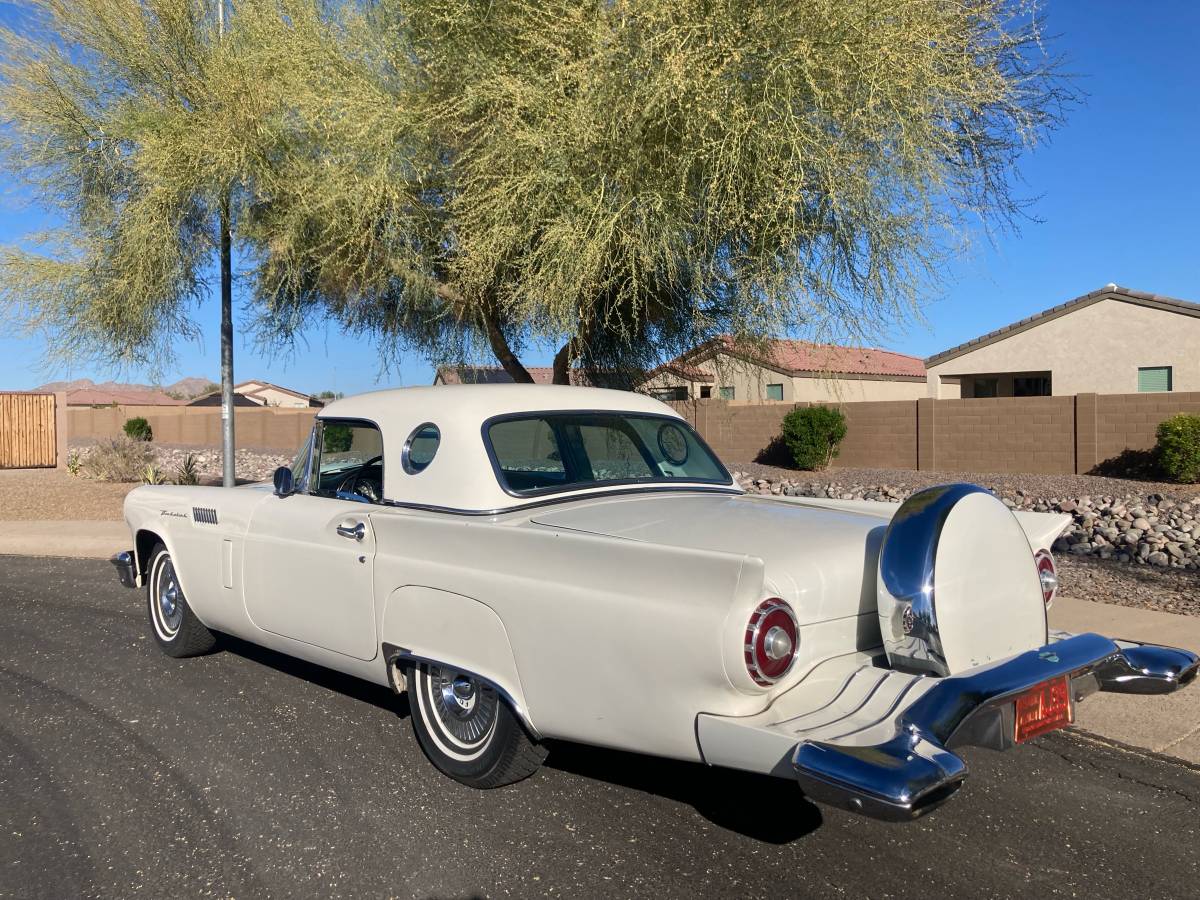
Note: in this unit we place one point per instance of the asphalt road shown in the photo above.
(244, 773)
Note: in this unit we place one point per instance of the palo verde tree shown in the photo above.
(129, 123)
(618, 179)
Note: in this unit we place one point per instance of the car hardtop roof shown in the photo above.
(473, 404)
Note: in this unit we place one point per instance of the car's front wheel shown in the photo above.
(175, 627)
(467, 729)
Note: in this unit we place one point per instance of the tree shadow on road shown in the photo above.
(355, 688)
(760, 807)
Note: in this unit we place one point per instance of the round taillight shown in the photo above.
(1047, 575)
(771, 641)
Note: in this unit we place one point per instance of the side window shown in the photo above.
(420, 448)
(349, 461)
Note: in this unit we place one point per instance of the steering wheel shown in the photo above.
(367, 486)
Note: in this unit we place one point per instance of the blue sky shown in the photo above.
(1116, 192)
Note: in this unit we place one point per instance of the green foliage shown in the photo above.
(1178, 448)
(624, 179)
(188, 471)
(813, 434)
(618, 180)
(119, 459)
(337, 438)
(138, 429)
(74, 463)
(152, 474)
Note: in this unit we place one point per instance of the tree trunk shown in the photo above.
(228, 460)
(500, 347)
(562, 364)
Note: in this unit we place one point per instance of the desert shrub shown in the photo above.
(812, 434)
(119, 459)
(338, 438)
(188, 471)
(152, 474)
(138, 429)
(74, 462)
(1179, 448)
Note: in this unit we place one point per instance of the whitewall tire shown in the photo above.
(175, 627)
(467, 729)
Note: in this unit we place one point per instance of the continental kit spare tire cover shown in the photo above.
(957, 584)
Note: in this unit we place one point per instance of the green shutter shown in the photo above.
(1154, 378)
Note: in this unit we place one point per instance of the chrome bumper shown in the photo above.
(123, 562)
(915, 771)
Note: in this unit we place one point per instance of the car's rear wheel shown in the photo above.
(467, 729)
(175, 627)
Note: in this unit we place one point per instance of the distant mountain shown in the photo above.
(186, 388)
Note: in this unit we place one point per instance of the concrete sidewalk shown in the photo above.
(1168, 724)
(82, 540)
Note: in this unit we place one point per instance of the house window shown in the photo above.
(1031, 386)
(1154, 378)
(985, 387)
(774, 391)
(725, 393)
(668, 394)
(705, 392)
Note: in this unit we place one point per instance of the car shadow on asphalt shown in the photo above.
(355, 688)
(772, 810)
(727, 798)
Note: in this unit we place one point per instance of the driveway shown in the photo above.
(245, 773)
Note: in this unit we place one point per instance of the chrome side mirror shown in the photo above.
(285, 485)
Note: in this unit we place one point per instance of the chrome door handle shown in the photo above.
(356, 531)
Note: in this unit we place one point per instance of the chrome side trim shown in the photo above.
(393, 654)
(126, 568)
(906, 578)
(914, 771)
(597, 494)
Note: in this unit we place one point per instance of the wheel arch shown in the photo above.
(423, 624)
(143, 543)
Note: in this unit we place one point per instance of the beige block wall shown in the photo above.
(268, 428)
(1097, 348)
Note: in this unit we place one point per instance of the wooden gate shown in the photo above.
(28, 438)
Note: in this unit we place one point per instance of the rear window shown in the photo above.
(546, 452)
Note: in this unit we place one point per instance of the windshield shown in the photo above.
(545, 452)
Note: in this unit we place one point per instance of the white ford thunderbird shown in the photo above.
(555, 562)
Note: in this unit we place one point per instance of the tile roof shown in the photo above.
(794, 357)
(497, 375)
(1108, 292)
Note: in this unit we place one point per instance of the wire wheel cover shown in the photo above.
(465, 707)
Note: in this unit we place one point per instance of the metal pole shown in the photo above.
(228, 458)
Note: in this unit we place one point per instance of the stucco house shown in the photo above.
(787, 370)
(1111, 341)
(261, 393)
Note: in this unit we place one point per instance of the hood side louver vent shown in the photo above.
(204, 515)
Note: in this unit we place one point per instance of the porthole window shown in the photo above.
(420, 448)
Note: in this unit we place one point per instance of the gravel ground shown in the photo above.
(50, 494)
(909, 480)
(1105, 581)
